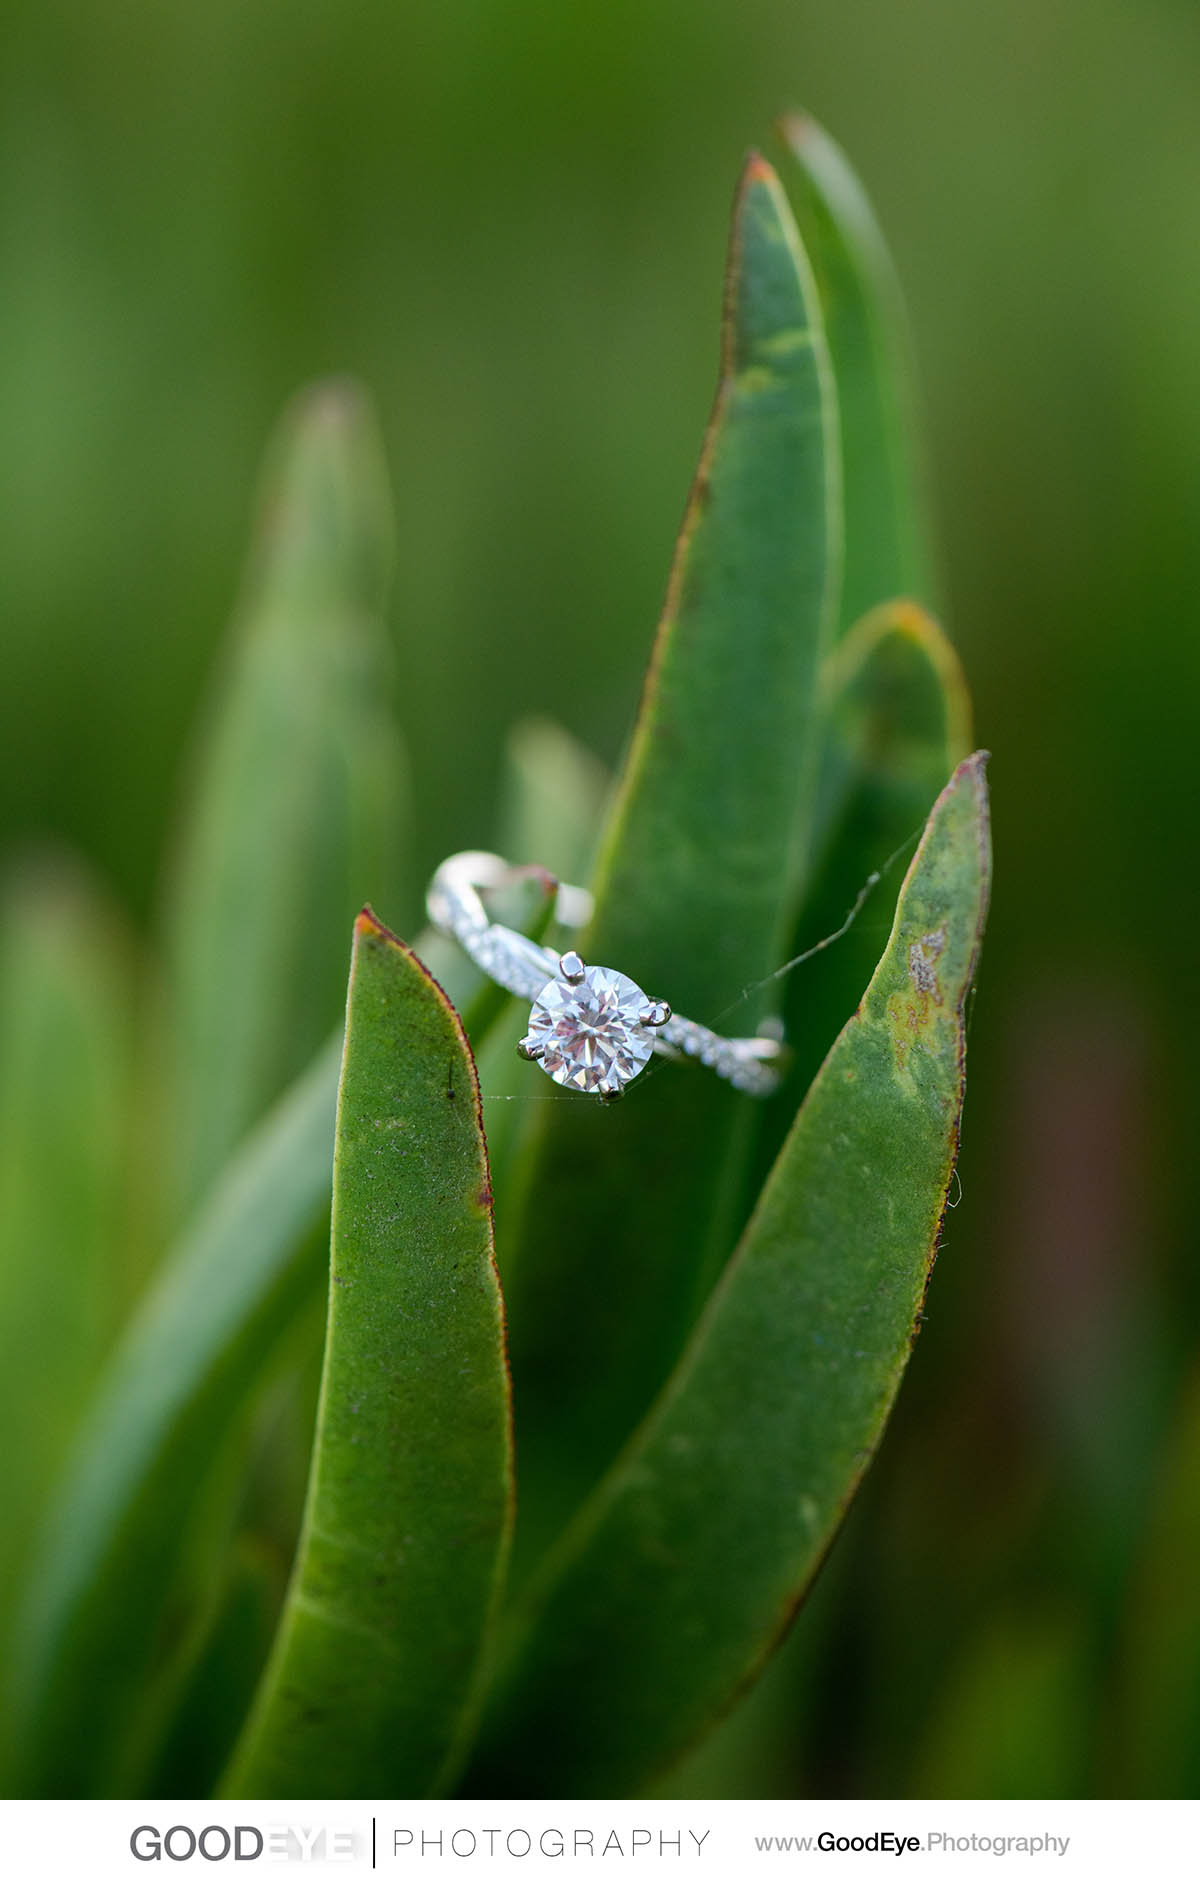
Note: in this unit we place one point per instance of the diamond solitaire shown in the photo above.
(590, 1028)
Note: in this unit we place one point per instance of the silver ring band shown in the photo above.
(591, 1029)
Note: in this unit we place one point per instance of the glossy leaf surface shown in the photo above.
(887, 531)
(698, 875)
(679, 1576)
(169, 1401)
(374, 1675)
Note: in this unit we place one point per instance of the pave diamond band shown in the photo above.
(591, 1029)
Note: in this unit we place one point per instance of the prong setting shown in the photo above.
(571, 968)
(590, 1027)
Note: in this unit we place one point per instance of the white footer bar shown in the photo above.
(954, 1841)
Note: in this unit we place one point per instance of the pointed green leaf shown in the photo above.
(373, 1680)
(697, 879)
(292, 817)
(94, 1625)
(887, 528)
(681, 1573)
(66, 1036)
(899, 722)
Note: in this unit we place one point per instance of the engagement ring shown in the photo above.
(591, 1029)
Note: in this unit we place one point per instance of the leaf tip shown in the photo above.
(333, 403)
(975, 766)
(796, 128)
(367, 927)
(756, 170)
(969, 777)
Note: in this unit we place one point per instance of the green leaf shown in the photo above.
(899, 721)
(66, 1034)
(374, 1677)
(100, 1610)
(697, 882)
(887, 529)
(679, 1576)
(97, 1619)
(898, 708)
(292, 818)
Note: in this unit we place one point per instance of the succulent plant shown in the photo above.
(707, 1299)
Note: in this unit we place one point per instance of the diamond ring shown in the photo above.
(591, 1029)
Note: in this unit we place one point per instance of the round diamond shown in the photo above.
(590, 1031)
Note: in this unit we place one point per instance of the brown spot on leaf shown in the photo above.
(922, 959)
(912, 1013)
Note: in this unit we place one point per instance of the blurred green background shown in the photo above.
(508, 218)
